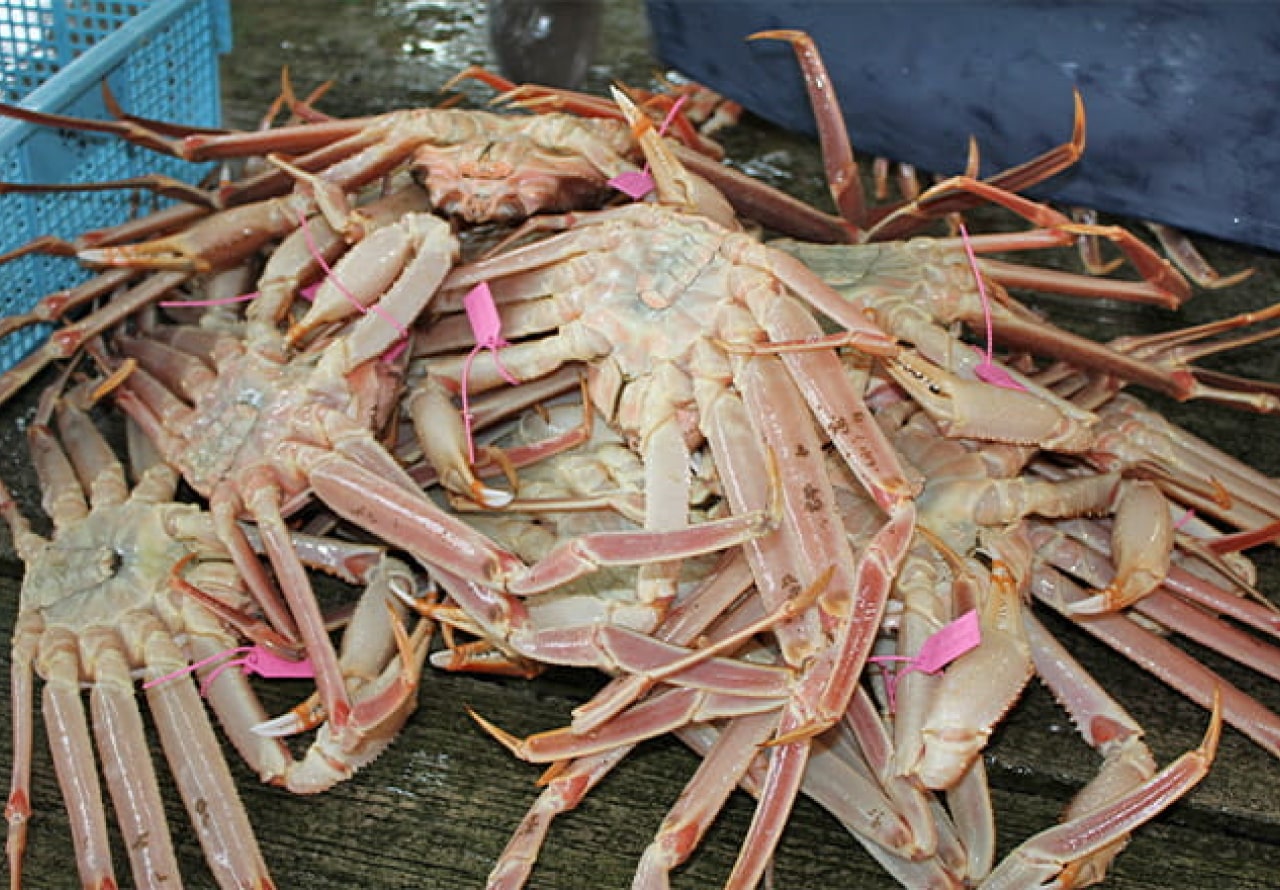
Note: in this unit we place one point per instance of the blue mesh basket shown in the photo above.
(160, 59)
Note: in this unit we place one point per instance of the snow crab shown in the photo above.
(659, 371)
(856, 768)
(134, 584)
(100, 601)
(251, 419)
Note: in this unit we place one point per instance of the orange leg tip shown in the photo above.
(504, 738)
(551, 773)
(787, 34)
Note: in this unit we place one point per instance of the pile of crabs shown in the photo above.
(538, 382)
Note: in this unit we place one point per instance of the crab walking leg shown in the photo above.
(64, 341)
(1053, 851)
(823, 692)
(705, 794)
(685, 623)
(841, 168)
(1106, 726)
(833, 781)
(126, 764)
(73, 760)
(863, 730)
(562, 793)
(1130, 434)
(1183, 605)
(837, 405)
(569, 786)
(969, 801)
(263, 506)
(408, 519)
(1163, 660)
(851, 608)
(26, 635)
(203, 778)
(17, 811)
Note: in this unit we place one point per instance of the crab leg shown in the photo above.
(73, 760)
(720, 771)
(1159, 657)
(562, 793)
(1106, 726)
(1089, 560)
(126, 764)
(66, 340)
(1051, 852)
(1132, 436)
(892, 222)
(830, 779)
(17, 811)
(54, 306)
(854, 603)
(438, 539)
(380, 665)
(203, 777)
(26, 638)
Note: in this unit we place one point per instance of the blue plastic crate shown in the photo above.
(160, 59)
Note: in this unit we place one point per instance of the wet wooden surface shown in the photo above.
(436, 811)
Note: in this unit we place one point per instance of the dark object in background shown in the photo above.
(549, 42)
(1182, 100)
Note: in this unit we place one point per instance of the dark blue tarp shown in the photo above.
(1182, 100)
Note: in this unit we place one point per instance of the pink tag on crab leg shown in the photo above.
(945, 645)
(265, 664)
(256, 660)
(486, 327)
(635, 184)
(482, 315)
(988, 371)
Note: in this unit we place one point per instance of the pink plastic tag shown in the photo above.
(635, 184)
(267, 664)
(486, 327)
(482, 314)
(256, 660)
(946, 645)
(988, 371)
(263, 663)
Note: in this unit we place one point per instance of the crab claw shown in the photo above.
(976, 410)
(674, 184)
(1141, 546)
(443, 438)
(383, 697)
